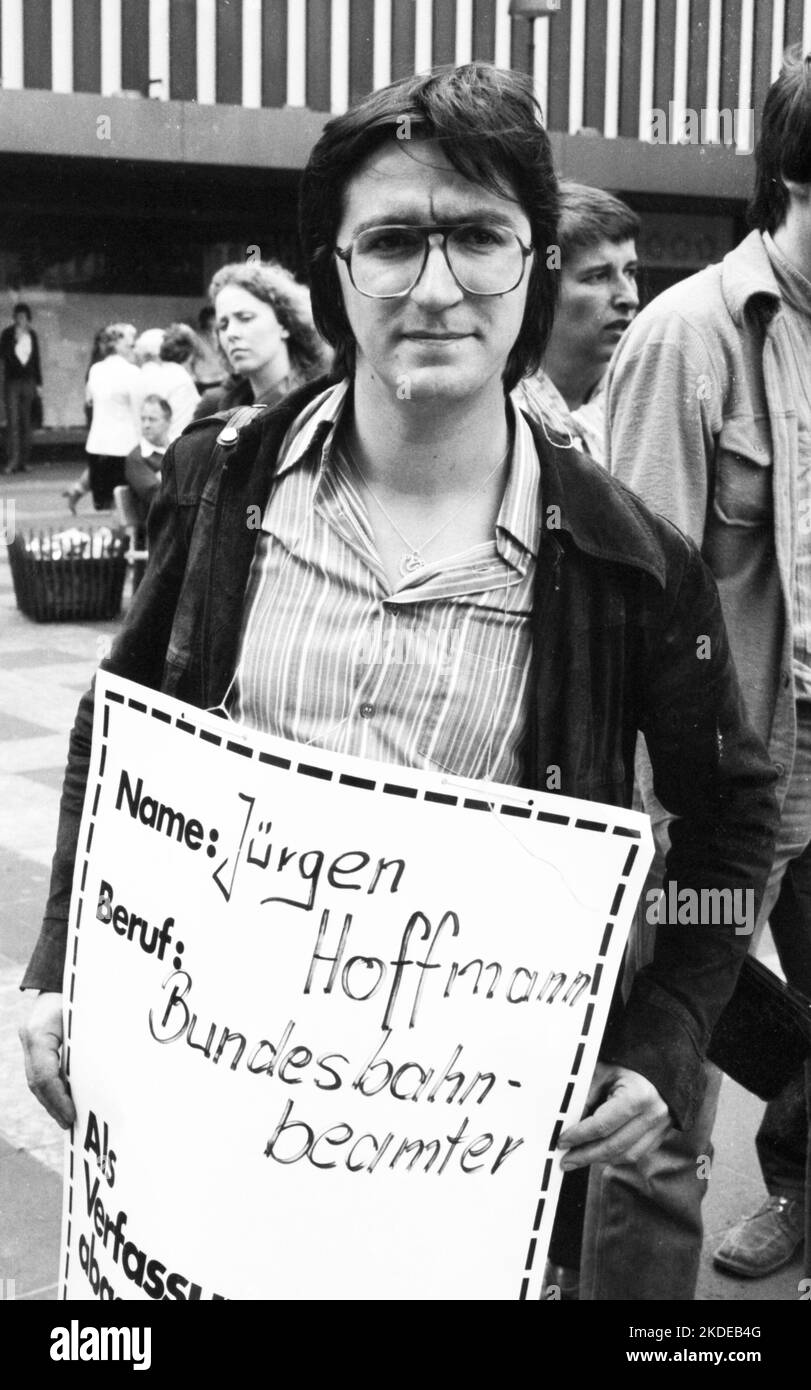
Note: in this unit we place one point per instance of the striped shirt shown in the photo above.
(433, 674)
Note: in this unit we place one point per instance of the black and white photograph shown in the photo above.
(405, 665)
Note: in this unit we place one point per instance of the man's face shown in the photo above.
(598, 300)
(437, 341)
(154, 426)
(22, 321)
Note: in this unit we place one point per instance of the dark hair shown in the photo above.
(206, 317)
(290, 302)
(180, 344)
(783, 149)
(154, 399)
(22, 309)
(590, 215)
(489, 125)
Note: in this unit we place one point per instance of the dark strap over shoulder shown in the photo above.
(235, 421)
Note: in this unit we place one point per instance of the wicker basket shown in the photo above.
(59, 582)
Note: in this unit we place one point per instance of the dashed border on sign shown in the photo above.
(404, 790)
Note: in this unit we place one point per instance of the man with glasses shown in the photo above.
(434, 584)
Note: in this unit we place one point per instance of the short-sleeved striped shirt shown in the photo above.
(433, 674)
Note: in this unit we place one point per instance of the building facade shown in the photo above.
(144, 142)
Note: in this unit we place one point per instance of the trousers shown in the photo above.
(19, 401)
(643, 1229)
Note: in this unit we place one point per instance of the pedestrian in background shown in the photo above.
(22, 380)
(114, 393)
(209, 365)
(266, 333)
(709, 414)
(598, 300)
(142, 468)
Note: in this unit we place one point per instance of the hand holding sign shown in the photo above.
(385, 987)
(625, 1119)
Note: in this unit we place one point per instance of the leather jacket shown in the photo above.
(627, 636)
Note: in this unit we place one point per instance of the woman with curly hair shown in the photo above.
(266, 334)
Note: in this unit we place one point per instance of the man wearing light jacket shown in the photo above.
(709, 421)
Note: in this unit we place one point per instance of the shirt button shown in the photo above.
(366, 711)
(779, 769)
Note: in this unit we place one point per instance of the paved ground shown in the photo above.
(43, 670)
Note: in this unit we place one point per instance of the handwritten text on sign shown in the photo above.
(326, 1017)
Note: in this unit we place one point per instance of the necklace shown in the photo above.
(412, 560)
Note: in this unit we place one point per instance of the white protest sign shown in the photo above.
(325, 1018)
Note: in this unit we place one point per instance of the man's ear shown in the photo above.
(800, 191)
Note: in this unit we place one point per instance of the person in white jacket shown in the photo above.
(114, 393)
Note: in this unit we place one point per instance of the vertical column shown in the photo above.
(540, 65)
(577, 53)
(646, 68)
(296, 53)
(62, 45)
(730, 58)
(558, 75)
(714, 71)
(205, 42)
(37, 71)
(464, 31)
(381, 48)
(86, 45)
(630, 69)
(402, 38)
(443, 40)
(159, 49)
(182, 51)
(317, 60)
(484, 30)
(742, 110)
(11, 41)
(680, 68)
(778, 29)
(697, 47)
(664, 56)
(252, 52)
(613, 33)
(339, 56)
(274, 52)
(423, 35)
(362, 29)
(501, 44)
(593, 63)
(110, 47)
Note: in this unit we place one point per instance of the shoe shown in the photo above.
(560, 1284)
(765, 1241)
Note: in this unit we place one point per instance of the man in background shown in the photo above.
(709, 411)
(22, 379)
(598, 299)
(142, 467)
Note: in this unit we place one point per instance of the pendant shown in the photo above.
(411, 562)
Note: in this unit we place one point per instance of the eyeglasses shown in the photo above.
(386, 262)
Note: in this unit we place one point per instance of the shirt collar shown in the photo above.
(517, 520)
(795, 287)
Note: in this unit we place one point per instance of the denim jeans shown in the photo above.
(643, 1228)
(19, 401)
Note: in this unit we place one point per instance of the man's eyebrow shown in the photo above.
(591, 266)
(406, 217)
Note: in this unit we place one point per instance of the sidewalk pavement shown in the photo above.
(44, 668)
